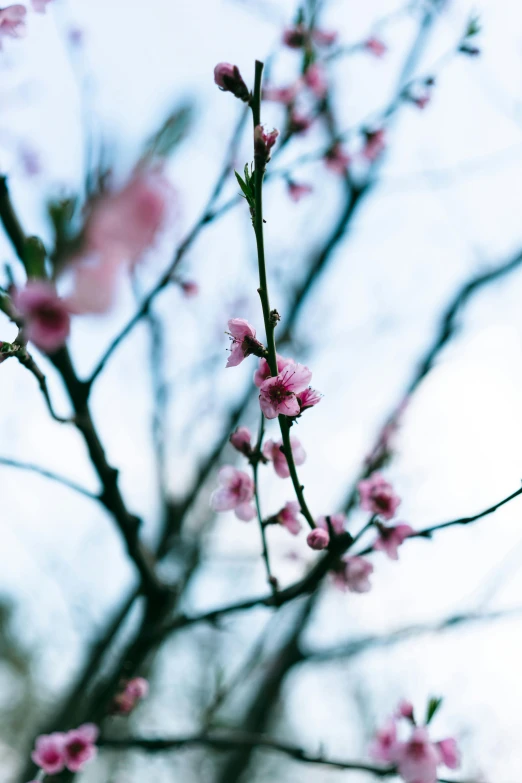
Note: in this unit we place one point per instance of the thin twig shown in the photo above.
(49, 474)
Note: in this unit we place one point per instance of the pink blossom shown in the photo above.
(337, 160)
(228, 78)
(449, 753)
(46, 316)
(278, 394)
(376, 495)
(124, 224)
(264, 140)
(295, 37)
(299, 123)
(324, 37)
(95, 280)
(337, 522)
(318, 539)
(235, 493)
(297, 191)
(190, 288)
(79, 746)
(284, 95)
(390, 539)
(263, 371)
(353, 575)
(315, 79)
(374, 145)
(417, 759)
(241, 439)
(12, 21)
(138, 688)
(49, 752)
(421, 101)
(134, 691)
(244, 343)
(385, 746)
(40, 5)
(289, 517)
(308, 398)
(375, 46)
(272, 451)
(405, 710)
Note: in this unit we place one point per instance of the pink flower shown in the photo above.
(449, 753)
(244, 341)
(228, 78)
(390, 539)
(337, 522)
(241, 439)
(272, 452)
(46, 316)
(374, 145)
(297, 191)
(278, 395)
(295, 37)
(417, 759)
(308, 398)
(376, 495)
(299, 123)
(134, 691)
(421, 101)
(318, 539)
(337, 160)
(264, 140)
(40, 5)
(190, 288)
(315, 79)
(284, 95)
(235, 493)
(289, 517)
(324, 37)
(263, 371)
(138, 688)
(353, 575)
(385, 746)
(49, 753)
(124, 224)
(79, 746)
(375, 46)
(405, 710)
(12, 21)
(95, 280)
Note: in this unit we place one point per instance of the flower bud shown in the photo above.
(228, 78)
(263, 143)
(318, 539)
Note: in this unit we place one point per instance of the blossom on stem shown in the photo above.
(284, 95)
(315, 80)
(79, 746)
(390, 539)
(417, 759)
(264, 140)
(235, 493)
(228, 79)
(353, 574)
(385, 746)
(272, 451)
(337, 521)
(336, 159)
(49, 753)
(134, 691)
(278, 394)
(263, 371)
(46, 317)
(377, 495)
(244, 343)
(94, 283)
(375, 46)
(241, 440)
(288, 517)
(318, 539)
(308, 398)
(12, 21)
(405, 710)
(297, 190)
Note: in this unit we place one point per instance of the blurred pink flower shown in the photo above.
(299, 123)
(418, 758)
(337, 522)
(288, 517)
(244, 343)
(295, 37)
(353, 574)
(284, 95)
(297, 191)
(190, 288)
(40, 5)
(449, 753)
(241, 439)
(337, 160)
(375, 46)
(405, 710)
(12, 21)
(263, 371)
(278, 395)
(374, 145)
(49, 753)
(94, 283)
(134, 691)
(272, 452)
(390, 539)
(324, 37)
(377, 495)
(46, 316)
(79, 746)
(318, 539)
(385, 746)
(315, 80)
(235, 493)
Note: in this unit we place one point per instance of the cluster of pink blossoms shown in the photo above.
(119, 229)
(134, 691)
(12, 18)
(416, 758)
(72, 750)
(377, 496)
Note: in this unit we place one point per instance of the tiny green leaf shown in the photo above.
(433, 706)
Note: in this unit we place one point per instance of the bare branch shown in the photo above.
(49, 474)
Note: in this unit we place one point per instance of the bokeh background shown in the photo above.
(94, 80)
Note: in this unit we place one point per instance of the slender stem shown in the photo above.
(255, 468)
(263, 293)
